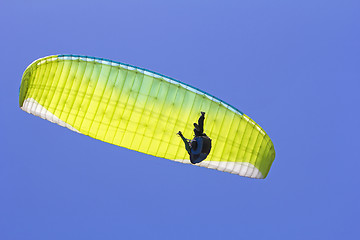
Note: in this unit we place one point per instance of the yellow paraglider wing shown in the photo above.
(142, 110)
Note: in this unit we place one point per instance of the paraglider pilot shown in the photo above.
(199, 147)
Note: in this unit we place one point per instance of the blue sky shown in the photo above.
(292, 66)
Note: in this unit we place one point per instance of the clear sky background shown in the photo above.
(292, 66)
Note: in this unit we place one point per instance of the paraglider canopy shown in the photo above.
(141, 110)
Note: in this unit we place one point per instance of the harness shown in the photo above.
(201, 144)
